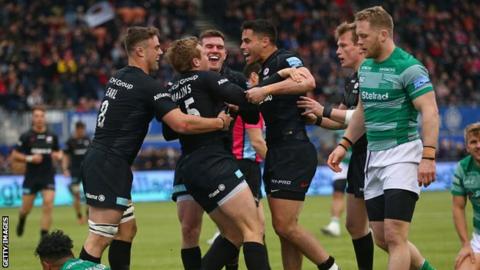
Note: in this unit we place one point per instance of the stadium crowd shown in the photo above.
(441, 34)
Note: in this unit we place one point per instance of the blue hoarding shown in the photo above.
(157, 185)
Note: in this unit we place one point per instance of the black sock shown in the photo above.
(326, 264)
(79, 215)
(21, 224)
(221, 252)
(364, 252)
(43, 232)
(119, 255)
(266, 253)
(192, 258)
(233, 264)
(87, 257)
(255, 256)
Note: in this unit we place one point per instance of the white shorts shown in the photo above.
(343, 174)
(475, 242)
(382, 172)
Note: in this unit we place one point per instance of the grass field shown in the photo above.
(157, 243)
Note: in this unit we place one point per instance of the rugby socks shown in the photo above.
(363, 247)
(191, 258)
(427, 266)
(233, 265)
(21, 224)
(221, 252)
(119, 255)
(43, 233)
(87, 257)
(255, 256)
(329, 264)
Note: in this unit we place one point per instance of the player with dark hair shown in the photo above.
(131, 100)
(291, 159)
(76, 148)
(38, 148)
(55, 253)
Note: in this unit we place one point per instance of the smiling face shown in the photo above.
(214, 48)
(349, 53)
(368, 39)
(252, 45)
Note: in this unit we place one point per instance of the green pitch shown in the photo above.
(157, 245)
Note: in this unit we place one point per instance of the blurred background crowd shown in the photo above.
(61, 53)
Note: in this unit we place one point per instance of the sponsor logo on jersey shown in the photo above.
(265, 71)
(120, 83)
(374, 96)
(420, 81)
(294, 61)
(41, 151)
(267, 99)
(160, 95)
(49, 139)
(222, 81)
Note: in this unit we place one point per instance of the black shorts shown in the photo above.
(32, 185)
(211, 176)
(396, 204)
(289, 169)
(179, 188)
(107, 180)
(253, 174)
(356, 174)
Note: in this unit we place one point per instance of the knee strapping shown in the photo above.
(103, 229)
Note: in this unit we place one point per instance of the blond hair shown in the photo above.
(377, 17)
(181, 53)
(344, 28)
(472, 130)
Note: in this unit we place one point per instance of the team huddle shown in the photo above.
(218, 115)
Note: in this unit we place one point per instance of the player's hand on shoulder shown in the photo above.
(426, 172)
(256, 95)
(226, 118)
(310, 106)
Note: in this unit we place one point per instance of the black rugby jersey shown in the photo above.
(282, 116)
(204, 93)
(131, 100)
(350, 99)
(76, 149)
(43, 143)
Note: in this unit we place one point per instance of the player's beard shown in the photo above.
(153, 66)
(375, 50)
